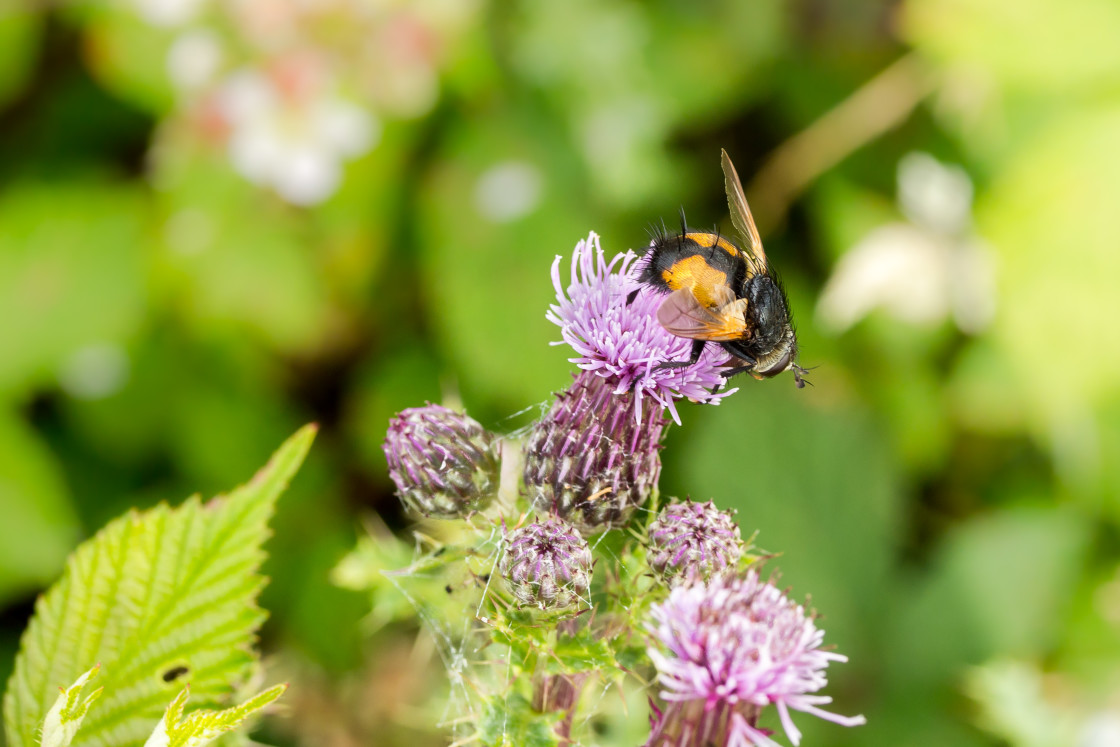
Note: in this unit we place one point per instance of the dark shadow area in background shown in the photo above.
(65, 122)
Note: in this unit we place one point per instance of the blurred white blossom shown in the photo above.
(167, 13)
(288, 133)
(194, 59)
(934, 196)
(921, 271)
(280, 114)
(508, 191)
(1102, 729)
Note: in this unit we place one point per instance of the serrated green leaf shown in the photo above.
(202, 727)
(157, 597)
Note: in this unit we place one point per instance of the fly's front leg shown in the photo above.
(728, 373)
(697, 349)
(748, 367)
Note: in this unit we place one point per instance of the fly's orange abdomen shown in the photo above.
(695, 272)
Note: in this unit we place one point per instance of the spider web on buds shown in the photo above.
(491, 650)
(455, 622)
(486, 645)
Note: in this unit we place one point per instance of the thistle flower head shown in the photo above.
(547, 565)
(693, 539)
(443, 462)
(590, 460)
(621, 340)
(728, 648)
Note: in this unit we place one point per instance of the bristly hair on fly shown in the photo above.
(658, 232)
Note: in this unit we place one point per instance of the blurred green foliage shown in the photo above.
(950, 501)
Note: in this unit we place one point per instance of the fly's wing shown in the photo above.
(741, 216)
(684, 316)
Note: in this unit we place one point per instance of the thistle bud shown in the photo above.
(444, 463)
(595, 456)
(690, 539)
(547, 565)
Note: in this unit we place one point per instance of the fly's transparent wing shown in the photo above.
(741, 216)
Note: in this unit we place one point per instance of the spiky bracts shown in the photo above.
(443, 462)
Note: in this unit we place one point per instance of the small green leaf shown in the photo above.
(203, 727)
(365, 568)
(445, 583)
(580, 653)
(632, 657)
(65, 717)
(512, 721)
(154, 593)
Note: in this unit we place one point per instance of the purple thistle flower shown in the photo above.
(595, 456)
(624, 343)
(693, 539)
(444, 463)
(727, 649)
(547, 565)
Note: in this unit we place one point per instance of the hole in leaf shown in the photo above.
(175, 673)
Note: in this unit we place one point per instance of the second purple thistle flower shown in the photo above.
(726, 649)
(594, 457)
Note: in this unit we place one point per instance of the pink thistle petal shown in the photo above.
(802, 705)
(792, 731)
(743, 734)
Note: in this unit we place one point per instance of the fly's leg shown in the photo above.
(728, 373)
(697, 349)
